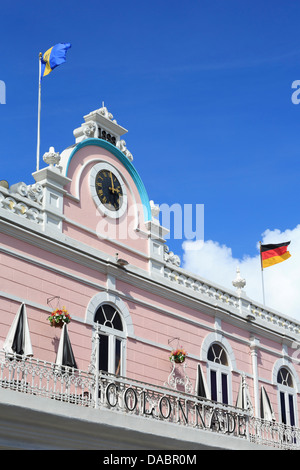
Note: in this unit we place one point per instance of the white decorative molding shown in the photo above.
(155, 210)
(53, 182)
(90, 130)
(170, 257)
(286, 362)
(100, 124)
(121, 145)
(51, 158)
(34, 192)
(104, 112)
(117, 302)
(244, 306)
(217, 337)
(239, 283)
(24, 201)
(212, 293)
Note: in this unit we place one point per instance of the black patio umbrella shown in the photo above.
(18, 339)
(201, 389)
(65, 356)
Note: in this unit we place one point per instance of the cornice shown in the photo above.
(157, 285)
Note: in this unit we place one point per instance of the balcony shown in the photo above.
(123, 397)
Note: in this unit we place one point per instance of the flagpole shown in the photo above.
(262, 275)
(39, 116)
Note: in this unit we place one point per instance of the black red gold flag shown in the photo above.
(273, 254)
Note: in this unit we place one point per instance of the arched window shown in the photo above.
(286, 392)
(112, 339)
(218, 373)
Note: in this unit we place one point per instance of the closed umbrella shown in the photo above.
(243, 399)
(18, 339)
(266, 408)
(201, 389)
(65, 356)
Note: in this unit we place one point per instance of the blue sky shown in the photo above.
(203, 87)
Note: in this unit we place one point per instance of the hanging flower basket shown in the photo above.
(178, 356)
(58, 317)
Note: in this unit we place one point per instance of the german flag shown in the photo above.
(273, 254)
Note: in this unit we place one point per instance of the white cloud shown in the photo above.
(215, 262)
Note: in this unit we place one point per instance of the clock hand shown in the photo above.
(112, 184)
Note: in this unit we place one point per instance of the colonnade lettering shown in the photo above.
(151, 404)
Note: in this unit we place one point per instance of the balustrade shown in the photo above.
(225, 299)
(123, 395)
(24, 201)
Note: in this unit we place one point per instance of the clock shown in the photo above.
(108, 190)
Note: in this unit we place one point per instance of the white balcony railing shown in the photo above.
(123, 395)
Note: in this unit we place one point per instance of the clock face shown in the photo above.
(109, 190)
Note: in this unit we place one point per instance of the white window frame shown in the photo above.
(128, 329)
(113, 335)
(283, 363)
(218, 337)
(287, 390)
(220, 369)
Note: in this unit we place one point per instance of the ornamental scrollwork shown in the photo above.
(121, 145)
(34, 192)
(170, 257)
(90, 130)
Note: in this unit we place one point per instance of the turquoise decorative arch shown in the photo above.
(127, 164)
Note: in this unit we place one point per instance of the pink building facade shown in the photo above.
(84, 235)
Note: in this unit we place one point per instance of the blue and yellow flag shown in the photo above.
(53, 57)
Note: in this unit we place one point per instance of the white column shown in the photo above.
(96, 370)
(253, 348)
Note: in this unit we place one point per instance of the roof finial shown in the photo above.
(51, 158)
(239, 282)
